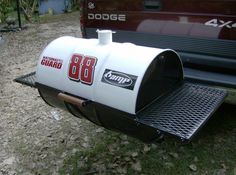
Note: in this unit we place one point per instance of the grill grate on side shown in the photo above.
(28, 79)
(183, 111)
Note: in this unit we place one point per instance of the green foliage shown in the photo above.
(75, 4)
(6, 6)
(28, 7)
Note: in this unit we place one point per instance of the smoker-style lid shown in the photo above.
(113, 74)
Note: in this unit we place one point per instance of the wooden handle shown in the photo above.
(71, 99)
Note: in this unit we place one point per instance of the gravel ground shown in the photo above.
(32, 141)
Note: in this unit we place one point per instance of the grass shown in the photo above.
(213, 151)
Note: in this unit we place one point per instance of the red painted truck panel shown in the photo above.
(203, 32)
(210, 19)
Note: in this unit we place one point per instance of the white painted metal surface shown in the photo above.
(116, 69)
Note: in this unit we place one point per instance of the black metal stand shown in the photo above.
(18, 13)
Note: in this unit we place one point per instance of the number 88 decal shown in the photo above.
(82, 68)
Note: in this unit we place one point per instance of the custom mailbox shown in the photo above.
(137, 90)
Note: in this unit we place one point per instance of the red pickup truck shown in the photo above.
(203, 32)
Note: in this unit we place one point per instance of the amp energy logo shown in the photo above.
(119, 79)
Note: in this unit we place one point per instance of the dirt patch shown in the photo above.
(31, 140)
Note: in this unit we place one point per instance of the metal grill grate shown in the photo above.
(183, 111)
(28, 79)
